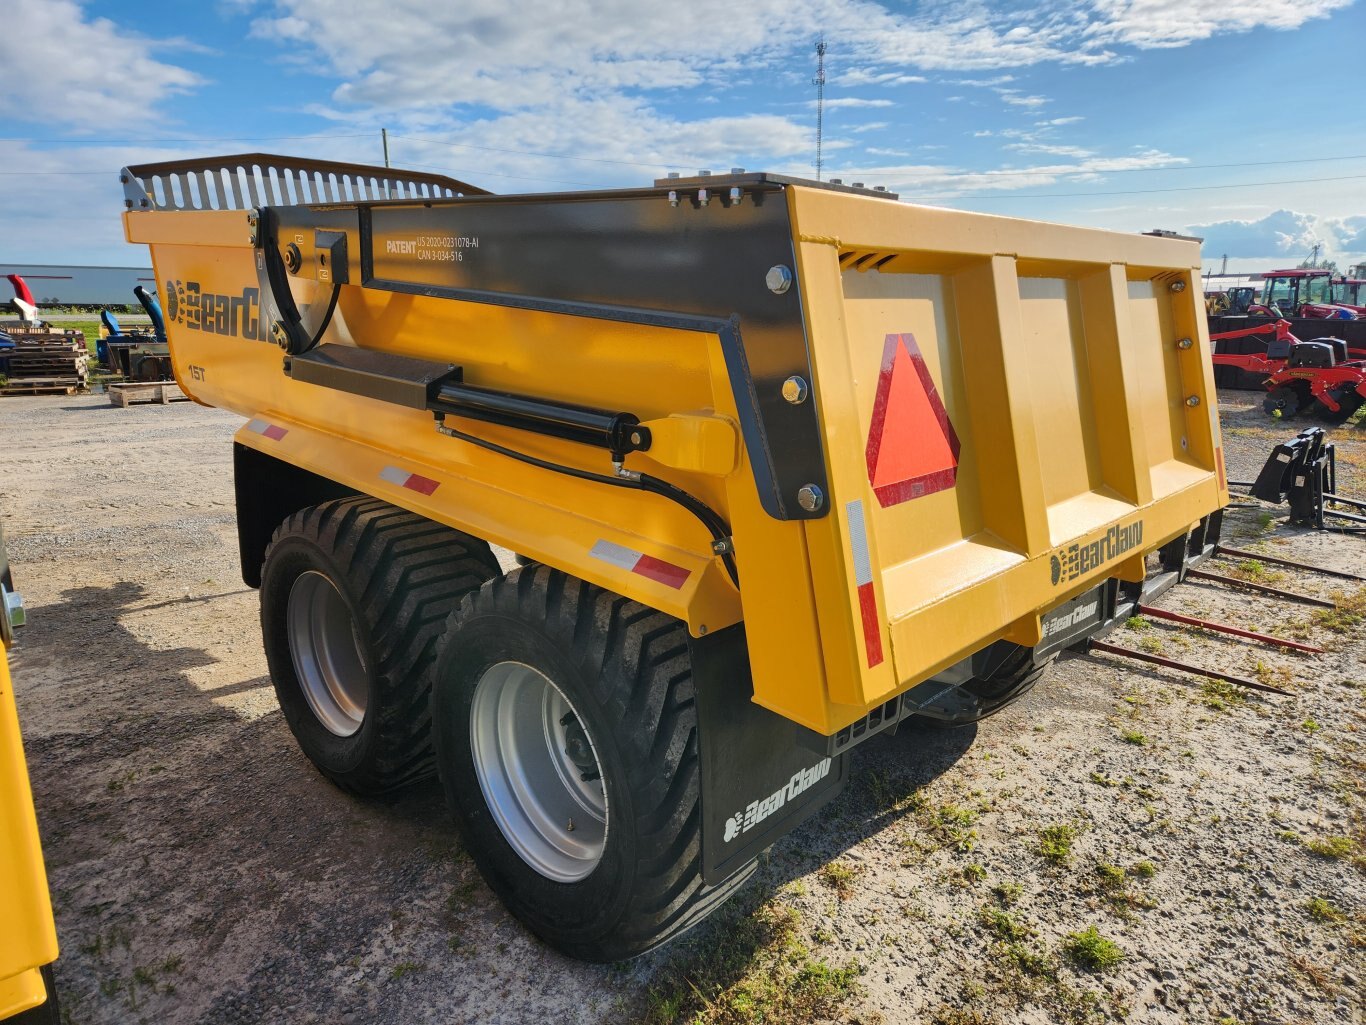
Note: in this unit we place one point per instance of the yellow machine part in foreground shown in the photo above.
(1072, 365)
(28, 937)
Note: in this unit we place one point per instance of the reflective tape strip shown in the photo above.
(863, 580)
(658, 570)
(858, 541)
(269, 430)
(405, 479)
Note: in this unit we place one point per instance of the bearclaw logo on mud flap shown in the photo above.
(757, 811)
(238, 316)
(1071, 562)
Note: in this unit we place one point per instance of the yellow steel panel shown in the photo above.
(28, 937)
(21, 992)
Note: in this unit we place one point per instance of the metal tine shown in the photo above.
(1170, 663)
(1238, 553)
(1275, 592)
(1225, 628)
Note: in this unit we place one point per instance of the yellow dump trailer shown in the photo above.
(785, 462)
(28, 936)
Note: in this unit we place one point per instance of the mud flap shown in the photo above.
(759, 782)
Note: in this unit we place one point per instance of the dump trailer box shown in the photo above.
(873, 450)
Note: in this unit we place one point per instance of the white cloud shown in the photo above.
(1152, 24)
(58, 68)
(866, 76)
(851, 102)
(942, 182)
(1051, 150)
(871, 126)
(1285, 235)
(1059, 121)
(1013, 97)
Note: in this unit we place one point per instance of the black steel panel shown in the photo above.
(759, 782)
(625, 256)
(1067, 623)
(376, 375)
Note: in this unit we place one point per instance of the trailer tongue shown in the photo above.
(787, 462)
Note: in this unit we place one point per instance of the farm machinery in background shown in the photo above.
(1323, 377)
(137, 356)
(1303, 294)
(1302, 298)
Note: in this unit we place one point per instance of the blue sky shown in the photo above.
(1241, 120)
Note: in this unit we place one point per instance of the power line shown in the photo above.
(1144, 192)
(151, 142)
(1171, 167)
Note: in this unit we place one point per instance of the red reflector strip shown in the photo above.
(872, 629)
(269, 430)
(863, 580)
(412, 481)
(658, 570)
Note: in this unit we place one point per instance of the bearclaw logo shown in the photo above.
(1071, 562)
(757, 811)
(238, 316)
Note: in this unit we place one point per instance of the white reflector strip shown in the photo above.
(394, 475)
(858, 543)
(615, 554)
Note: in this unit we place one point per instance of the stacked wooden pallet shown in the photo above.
(44, 362)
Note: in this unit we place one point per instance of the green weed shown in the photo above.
(1092, 951)
(1055, 842)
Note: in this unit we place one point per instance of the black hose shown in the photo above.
(643, 482)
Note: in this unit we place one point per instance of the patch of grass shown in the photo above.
(1152, 645)
(404, 968)
(1111, 876)
(1091, 951)
(974, 873)
(1007, 893)
(1137, 623)
(1221, 695)
(1334, 847)
(1133, 737)
(1030, 960)
(839, 877)
(1256, 572)
(1055, 842)
(1310, 726)
(1143, 870)
(1349, 613)
(1003, 925)
(1325, 910)
(748, 969)
(953, 825)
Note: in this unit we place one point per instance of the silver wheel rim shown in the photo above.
(532, 754)
(326, 649)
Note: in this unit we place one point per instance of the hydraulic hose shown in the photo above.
(716, 526)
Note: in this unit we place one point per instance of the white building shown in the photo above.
(78, 286)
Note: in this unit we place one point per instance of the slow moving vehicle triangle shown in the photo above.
(912, 448)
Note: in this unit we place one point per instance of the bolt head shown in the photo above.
(795, 390)
(280, 335)
(810, 497)
(1193, 401)
(778, 279)
(1185, 343)
(1177, 286)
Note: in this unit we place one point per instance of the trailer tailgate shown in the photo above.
(1013, 412)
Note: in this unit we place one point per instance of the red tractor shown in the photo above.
(1302, 293)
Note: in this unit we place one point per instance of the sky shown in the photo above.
(1241, 121)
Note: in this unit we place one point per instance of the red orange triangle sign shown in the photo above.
(912, 448)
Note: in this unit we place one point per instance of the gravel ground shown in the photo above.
(203, 872)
